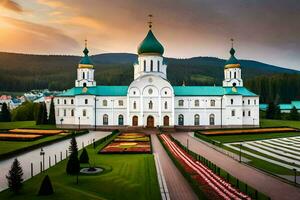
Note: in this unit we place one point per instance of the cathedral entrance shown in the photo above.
(135, 121)
(150, 122)
(166, 120)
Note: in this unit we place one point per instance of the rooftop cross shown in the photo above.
(150, 20)
(85, 43)
(232, 41)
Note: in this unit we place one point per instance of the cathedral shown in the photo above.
(151, 101)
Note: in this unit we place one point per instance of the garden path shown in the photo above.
(271, 186)
(179, 188)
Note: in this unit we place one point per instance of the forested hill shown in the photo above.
(21, 72)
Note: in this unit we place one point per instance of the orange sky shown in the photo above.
(263, 31)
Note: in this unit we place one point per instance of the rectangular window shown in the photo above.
(249, 113)
(196, 103)
(180, 103)
(57, 101)
(65, 112)
(233, 113)
(84, 113)
(248, 101)
(104, 102)
(120, 102)
(254, 101)
(243, 113)
(212, 103)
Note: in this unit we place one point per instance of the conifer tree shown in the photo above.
(5, 113)
(73, 165)
(84, 157)
(294, 115)
(14, 177)
(52, 113)
(46, 187)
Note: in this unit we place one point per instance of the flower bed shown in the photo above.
(247, 131)
(129, 143)
(215, 187)
(16, 137)
(36, 131)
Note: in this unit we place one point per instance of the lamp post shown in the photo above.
(61, 121)
(79, 123)
(42, 153)
(295, 173)
(95, 123)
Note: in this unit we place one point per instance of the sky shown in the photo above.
(263, 30)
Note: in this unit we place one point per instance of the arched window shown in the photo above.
(144, 65)
(105, 119)
(151, 65)
(57, 101)
(104, 102)
(180, 120)
(134, 105)
(197, 103)
(249, 113)
(84, 112)
(65, 101)
(233, 113)
(211, 119)
(72, 101)
(72, 113)
(150, 105)
(83, 75)
(234, 74)
(84, 84)
(166, 105)
(65, 112)
(166, 120)
(86, 101)
(121, 120)
(243, 113)
(248, 101)
(158, 66)
(196, 120)
(212, 103)
(231, 101)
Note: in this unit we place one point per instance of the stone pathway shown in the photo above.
(178, 187)
(271, 186)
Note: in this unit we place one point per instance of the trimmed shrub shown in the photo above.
(84, 157)
(46, 187)
(73, 165)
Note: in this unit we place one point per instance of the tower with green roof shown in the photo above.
(85, 70)
(150, 56)
(232, 71)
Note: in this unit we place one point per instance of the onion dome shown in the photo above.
(150, 45)
(86, 62)
(232, 62)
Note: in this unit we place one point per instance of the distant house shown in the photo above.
(284, 108)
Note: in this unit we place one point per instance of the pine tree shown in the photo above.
(294, 115)
(73, 165)
(14, 177)
(5, 113)
(46, 187)
(52, 113)
(42, 114)
(45, 114)
(270, 112)
(84, 157)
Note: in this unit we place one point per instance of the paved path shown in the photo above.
(179, 188)
(265, 183)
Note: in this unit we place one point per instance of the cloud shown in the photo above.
(11, 5)
(53, 3)
(39, 36)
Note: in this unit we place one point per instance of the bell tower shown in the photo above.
(85, 71)
(232, 71)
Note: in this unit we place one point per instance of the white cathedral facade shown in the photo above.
(151, 101)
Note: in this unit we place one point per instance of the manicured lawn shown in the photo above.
(8, 146)
(274, 123)
(24, 124)
(250, 137)
(125, 177)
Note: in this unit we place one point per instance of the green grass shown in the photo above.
(274, 123)
(250, 137)
(24, 124)
(125, 177)
(8, 146)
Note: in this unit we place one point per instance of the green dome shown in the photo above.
(150, 45)
(232, 62)
(86, 59)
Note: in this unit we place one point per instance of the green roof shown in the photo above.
(296, 104)
(263, 106)
(178, 90)
(98, 90)
(86, 59)
(150, 45)
(232, 59)
(286, 106)
(210, 91)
